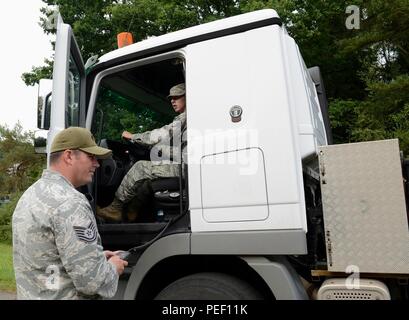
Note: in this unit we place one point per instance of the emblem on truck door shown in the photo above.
(235, 113)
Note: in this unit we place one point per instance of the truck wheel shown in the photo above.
(209, 286)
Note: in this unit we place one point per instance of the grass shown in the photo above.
(7, 280)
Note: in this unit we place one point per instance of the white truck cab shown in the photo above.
(247, 215)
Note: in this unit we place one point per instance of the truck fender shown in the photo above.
(172, 245)
(279, 275)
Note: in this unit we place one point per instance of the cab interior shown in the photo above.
(135, 100)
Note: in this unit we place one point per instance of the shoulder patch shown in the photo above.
(88, 234)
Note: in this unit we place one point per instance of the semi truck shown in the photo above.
(265, 206)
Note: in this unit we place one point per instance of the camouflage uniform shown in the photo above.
(56, 246)
(165, 156)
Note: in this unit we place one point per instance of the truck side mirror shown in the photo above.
(44, 103)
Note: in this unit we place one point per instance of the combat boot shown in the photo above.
(113, 212)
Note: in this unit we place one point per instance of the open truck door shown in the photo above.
(68, 92)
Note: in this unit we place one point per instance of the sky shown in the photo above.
(23, 45)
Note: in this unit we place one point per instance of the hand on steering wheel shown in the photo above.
(137, 149)
(127, 135)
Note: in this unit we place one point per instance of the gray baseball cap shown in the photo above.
(178, 90)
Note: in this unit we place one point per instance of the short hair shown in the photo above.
(55, 156)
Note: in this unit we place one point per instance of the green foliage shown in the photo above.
(343, 116)
(383, 115)
(385, 112)
(19, 168)
(38, 73)
(121, 114)
(383, 46)
(7, 279)
(365, 71)
(385, 26)
(317, 27)
(6, 212)
(91, 23)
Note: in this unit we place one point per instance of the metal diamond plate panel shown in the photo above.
(365, 219)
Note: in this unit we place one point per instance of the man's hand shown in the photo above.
(118, 263)
(109, 254)
(127, 135)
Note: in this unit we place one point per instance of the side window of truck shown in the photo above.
(72, 112)
(116, 113)
(135, 99)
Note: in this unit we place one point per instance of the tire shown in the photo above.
(209, 286)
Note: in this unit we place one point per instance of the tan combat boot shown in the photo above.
(113, 212)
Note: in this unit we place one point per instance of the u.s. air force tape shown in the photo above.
(88, 234)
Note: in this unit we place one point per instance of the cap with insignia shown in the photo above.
(78, 138)
(176, 91)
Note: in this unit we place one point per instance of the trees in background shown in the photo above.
(20, 166)
(366, 70)
(384, 35)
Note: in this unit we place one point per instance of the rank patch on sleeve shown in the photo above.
(88, 234)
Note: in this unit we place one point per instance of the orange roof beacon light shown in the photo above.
(124, 39)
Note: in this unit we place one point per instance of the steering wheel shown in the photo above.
(137, 151)
(125, 154)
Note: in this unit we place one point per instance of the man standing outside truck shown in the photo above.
(57, 252)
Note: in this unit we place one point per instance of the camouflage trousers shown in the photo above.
(133, 182)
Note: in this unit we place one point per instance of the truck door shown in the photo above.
(68, 93)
